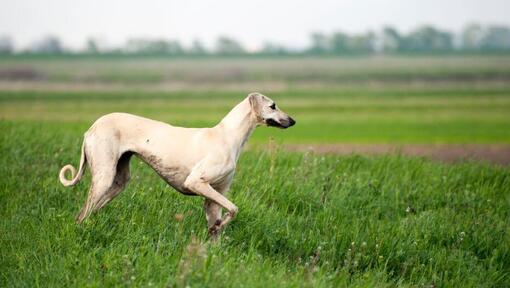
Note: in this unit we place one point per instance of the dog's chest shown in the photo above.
(175, 175)
(172, 174)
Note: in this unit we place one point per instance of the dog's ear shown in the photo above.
(254, 99)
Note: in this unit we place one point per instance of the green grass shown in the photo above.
(305, 221)
(385, 115)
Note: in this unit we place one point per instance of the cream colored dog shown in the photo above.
(194, 161)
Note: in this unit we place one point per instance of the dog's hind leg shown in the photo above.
(102, 161)
(106, 184)
(119, 182)
(100, 186)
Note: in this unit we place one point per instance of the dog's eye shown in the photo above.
(273, 106)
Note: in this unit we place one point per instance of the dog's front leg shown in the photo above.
(213, 215)
(200, 187)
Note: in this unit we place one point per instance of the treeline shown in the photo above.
(425, 39)
(473, 38)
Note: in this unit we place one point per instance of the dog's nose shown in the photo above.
(291, 122)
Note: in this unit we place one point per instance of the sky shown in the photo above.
(287, 22)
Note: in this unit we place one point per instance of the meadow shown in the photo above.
(292, 71)
(306, 219)
(445, 115)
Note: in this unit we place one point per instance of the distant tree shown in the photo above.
(427, 39)
(156, 47)
(150, 46)
(320, 44)
(174, 47)
(273, 49)
(496, 38)
(471, 38)
(6, 46)
(362, 43)
(48, 45)
(228, 46)
(197, 48)
(391, 40)
(340, 43)
(92, 46)
(135, 45)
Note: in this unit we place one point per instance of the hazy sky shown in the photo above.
(284, 21)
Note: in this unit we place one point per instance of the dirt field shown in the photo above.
(492, 153)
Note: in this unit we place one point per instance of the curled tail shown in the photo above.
(75, 178)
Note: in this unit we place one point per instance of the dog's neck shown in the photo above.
(238, 125)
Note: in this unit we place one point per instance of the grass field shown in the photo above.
(305, 220)
(447, 115)
(292, 70)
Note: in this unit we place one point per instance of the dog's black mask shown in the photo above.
(273, 123)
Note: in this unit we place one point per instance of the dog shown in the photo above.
(194, 161)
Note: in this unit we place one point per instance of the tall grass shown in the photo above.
(305, 220)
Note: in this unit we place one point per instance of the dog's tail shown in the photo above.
(75, 178)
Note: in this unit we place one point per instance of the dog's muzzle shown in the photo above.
(284, 123)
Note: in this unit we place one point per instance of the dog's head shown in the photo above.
(268, 113)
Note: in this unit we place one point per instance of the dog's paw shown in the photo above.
(215, 229)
